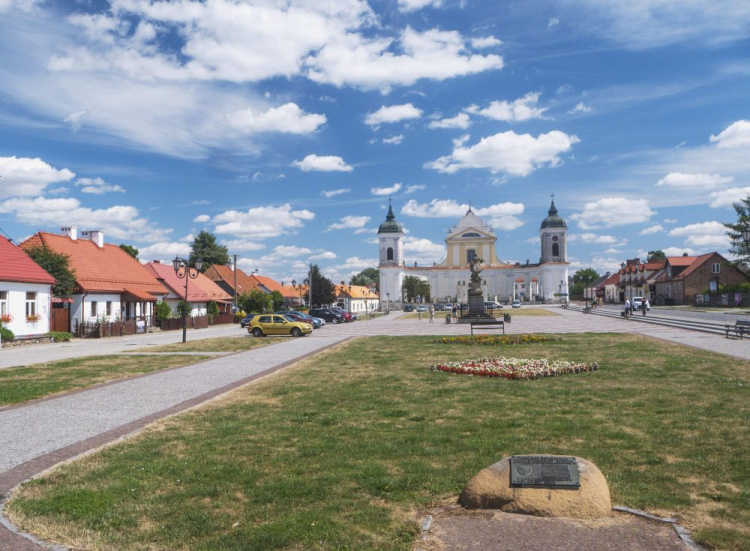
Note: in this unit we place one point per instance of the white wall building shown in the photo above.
(466, 240)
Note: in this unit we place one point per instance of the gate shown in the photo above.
(60, 318)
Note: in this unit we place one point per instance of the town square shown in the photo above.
(420, 275)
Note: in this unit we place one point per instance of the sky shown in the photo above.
(286, 126)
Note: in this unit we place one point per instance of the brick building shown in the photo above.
(684, 277)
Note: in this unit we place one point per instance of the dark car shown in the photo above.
(247, 319)
(327, 314)
(299, 316)
(408, 308)
(344, 314)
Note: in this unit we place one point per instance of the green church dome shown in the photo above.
(390, 225)
(553, 220)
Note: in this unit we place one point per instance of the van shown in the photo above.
(493, 305)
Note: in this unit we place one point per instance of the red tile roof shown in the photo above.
(356, 291)
(697, 263)
(108, 269)
(245, 283)
(681, 260)
(611, 280)
(272, 286)
(15, 265)
(201, 289)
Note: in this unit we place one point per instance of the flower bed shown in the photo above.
(496, 340)
(514, 368)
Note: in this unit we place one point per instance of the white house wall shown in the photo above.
(17, 307)
(101, 306)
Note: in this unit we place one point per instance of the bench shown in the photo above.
(485, 323)
(740, 328)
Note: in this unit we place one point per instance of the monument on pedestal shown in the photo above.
(477, 310)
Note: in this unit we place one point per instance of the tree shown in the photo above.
(278, 300)
(656, 256)
(212, 309)
(57, 266)
(323, 290)
(366, 278)
(132, 251)
(255, 302)
(582, 278)
(414, 287)
(162, 311)
(207, 249)
(184, 308)
(739, 248)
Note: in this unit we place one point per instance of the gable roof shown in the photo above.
(16, 265)
(614, 279)
(356, 292)
(219, 272)
(697, 263)
(108, 269)
(200, 289)
(681, 260)
(272, 285)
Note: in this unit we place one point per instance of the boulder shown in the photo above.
(491, 489)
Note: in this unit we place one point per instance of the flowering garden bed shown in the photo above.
(514, 368)
(496, 340)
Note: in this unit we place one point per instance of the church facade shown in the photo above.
(468, 239)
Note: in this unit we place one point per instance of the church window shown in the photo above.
(471, 254)
(389, 254)
(555, 249)
(471, 234)
(554, 238)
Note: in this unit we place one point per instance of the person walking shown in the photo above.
(432, 313)
(627, 307)
(455, 314)
(643, 306)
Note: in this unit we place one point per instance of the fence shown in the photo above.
(723, 299)
(173, 324)
(118, 328)
(222, 319)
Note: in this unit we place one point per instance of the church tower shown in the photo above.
(554, 237)
(391, 265)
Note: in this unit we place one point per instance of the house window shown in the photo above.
(3, 303)
(555, 249)
(93, 308)
(715, 268)
(389, 254)
(471, 254)
(30, 304)
(109, 308)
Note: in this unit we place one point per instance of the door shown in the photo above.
(280, 326)
(59, 318)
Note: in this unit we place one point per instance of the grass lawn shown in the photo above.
(19, 384)
(520, 312)
(345, 450)
(222, 344)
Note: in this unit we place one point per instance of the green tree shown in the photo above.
(184, 308)
(366, 278)
(57, 266)
(209, 250)
(278, 300)
(413, 287)
(739, 248)
(212, 309)
(132, 251)
(162, 311)
(255, 302)
(323, 290)
(656, 256)
(582, 278)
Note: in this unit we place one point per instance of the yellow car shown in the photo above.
(273, 324)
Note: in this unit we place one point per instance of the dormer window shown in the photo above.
(471, 234)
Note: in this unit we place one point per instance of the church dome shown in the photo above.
(553, 220)
(390, 225)
(470, 220)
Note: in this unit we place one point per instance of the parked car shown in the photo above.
(304, 318)
(516, 304)
(448, 306)
(347, 316)
(273, 324)
(327, 314)
(408, 308)
(438, 307)
(637, 303)
(244, 322)
(493, 304)
(421, 308)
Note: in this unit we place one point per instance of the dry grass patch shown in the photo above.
(339, 451)
(221, 344)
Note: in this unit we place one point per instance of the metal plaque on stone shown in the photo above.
(544, 471)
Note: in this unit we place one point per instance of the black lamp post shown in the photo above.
(183, 270)
(746, 234)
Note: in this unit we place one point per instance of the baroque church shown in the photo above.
(470, 238)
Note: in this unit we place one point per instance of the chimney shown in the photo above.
(156, 262)
(70, 231)
(684, 254)
(97, 236)
(343, 283)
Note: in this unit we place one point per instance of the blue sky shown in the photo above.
(285, 126)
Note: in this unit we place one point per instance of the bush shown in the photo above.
(212, 309)
(162, 311)
(60, 336)
(6, 334)
(184, 309)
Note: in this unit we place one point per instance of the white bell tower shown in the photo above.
(391, 266)
(554, 237)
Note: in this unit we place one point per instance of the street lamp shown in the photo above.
(187, 274)
(387, 303)
(746, 234)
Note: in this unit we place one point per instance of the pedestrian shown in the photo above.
(627, 307)
(419, 314)
(643, 305)
(455, 313)
(432, 313)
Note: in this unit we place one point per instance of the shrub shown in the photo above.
(212, 309)
(60, 336)
(162, 311)
(6, 334)
(184, 308)
(492, 340)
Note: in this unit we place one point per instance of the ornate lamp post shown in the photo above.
(183, 271)
(746, 234)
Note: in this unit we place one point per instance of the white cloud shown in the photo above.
(385, 190)
(656, 228)
(119, 222)
(422, 251)
(461, 140)
(682, 180)
(448, 208)
(506, 223)
(553, 22)
(394, 140)
(23, 176)
(613, 211)
(581, 108)
(261, 222)
(328, 193)
(596, 239)
(325, 255)
(678, 251)
(202, 218)
(703, 234)
(393, 113)
(414, 188)
(485, 42)
(290, 251)
(164, 251)
(356, 263)
(508, 152)
(288, 118)
(241, 245)
(322, 164)
(21, 5)
(735, 135)
(670, 221)
(366, 230)
(74, 119)
(727, 197)
(414, 5)
(518, 110)
(350, 222)
(461, 120)
(97, 186)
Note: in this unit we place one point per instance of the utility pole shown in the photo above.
(235, 284)
(309, 290)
